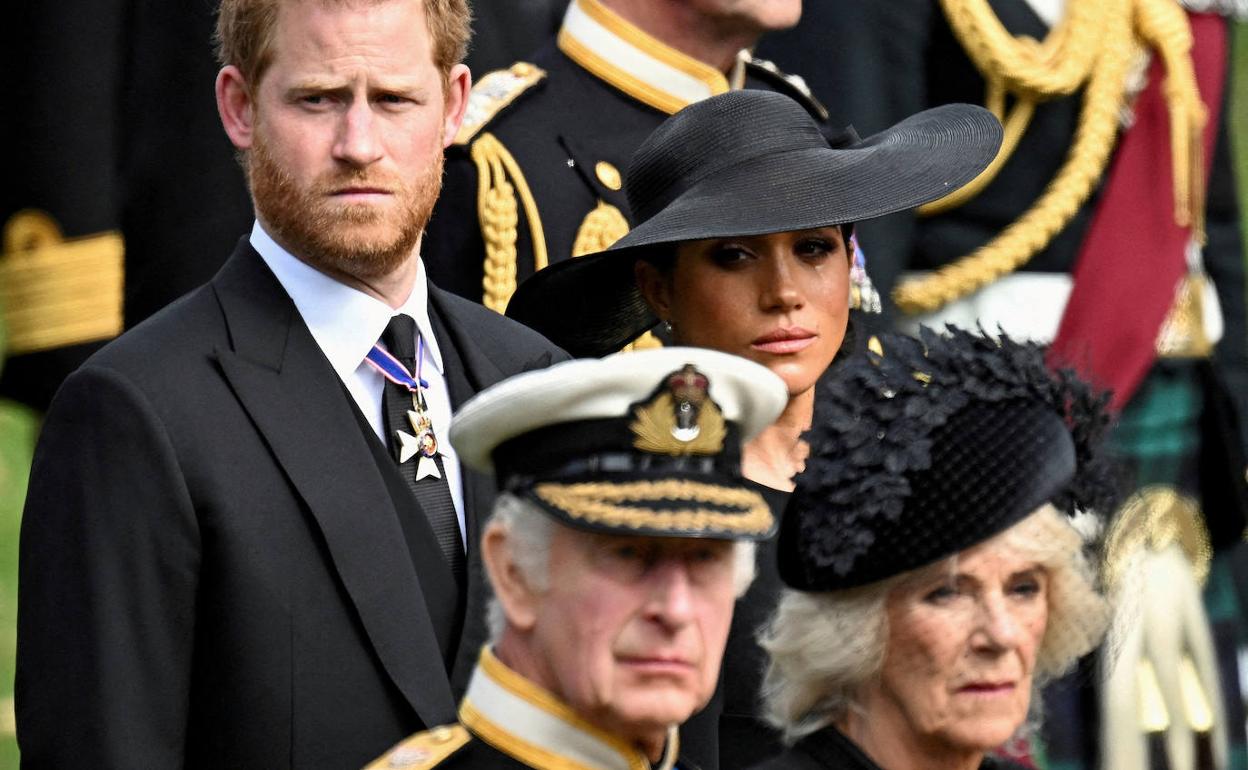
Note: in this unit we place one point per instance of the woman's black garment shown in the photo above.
(829, 749)
(744, 739)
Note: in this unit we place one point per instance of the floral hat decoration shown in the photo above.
(921, 448)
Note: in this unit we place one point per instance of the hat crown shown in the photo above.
(643, 443)
(710, 136)
(931, 446)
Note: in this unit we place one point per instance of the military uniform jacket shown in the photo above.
(535, 174)
(506, 721)
(906, 58)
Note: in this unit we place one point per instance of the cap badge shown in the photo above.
(680, 419)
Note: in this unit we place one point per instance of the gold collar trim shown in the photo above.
(530, 724)
(639, 65)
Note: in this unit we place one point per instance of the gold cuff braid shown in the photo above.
(55, 291)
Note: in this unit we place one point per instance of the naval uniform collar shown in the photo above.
(531, 725)
(638, 64)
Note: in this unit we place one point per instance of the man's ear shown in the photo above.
(458, 87)
(236, 107)
(515, 594)
(655, 287)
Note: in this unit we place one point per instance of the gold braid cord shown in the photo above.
(601, 227)
(740, 511)
(1092, 48)
(1056, 67)
(499, 183)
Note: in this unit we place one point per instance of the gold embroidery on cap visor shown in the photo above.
(736, 512)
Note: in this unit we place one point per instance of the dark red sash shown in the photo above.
(1133, 257)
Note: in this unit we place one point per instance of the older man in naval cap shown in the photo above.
(622, 537)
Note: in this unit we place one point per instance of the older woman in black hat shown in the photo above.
(937, 571)
(744, 216)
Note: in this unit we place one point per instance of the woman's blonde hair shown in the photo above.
(825, 647)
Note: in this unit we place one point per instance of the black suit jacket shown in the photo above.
(213, 573)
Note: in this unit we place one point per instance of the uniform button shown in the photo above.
(607, 174)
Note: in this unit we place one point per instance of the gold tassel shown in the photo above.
(601, 227)
(499, 183)
(1164, 26)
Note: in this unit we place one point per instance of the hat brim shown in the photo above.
(591, 305)
(670, 505)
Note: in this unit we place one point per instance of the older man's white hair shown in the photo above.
(530, 531)
(826, 647)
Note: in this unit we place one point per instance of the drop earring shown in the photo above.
(862, 293)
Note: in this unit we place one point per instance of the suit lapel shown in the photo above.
(468, 371)
(297, 402)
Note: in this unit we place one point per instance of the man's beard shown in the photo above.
(355, 239)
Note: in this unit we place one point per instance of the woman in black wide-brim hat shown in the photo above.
(743, 218)
(743, 215)
(936, 555)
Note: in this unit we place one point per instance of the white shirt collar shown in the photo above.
(345, 322)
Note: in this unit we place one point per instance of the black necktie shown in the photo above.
(433, 493)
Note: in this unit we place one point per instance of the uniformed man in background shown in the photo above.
(534, 175)
(617, 547)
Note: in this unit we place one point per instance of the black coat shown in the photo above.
(744, 738)
(829, 749)
(214, 571)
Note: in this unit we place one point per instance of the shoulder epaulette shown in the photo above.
(424, 750)
(494, 92)
(793, 85)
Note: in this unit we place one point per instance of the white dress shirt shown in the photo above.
(346, 323)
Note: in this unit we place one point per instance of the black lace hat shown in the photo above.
(936, 445)
(748, 163)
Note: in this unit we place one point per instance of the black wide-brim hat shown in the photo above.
(745, 163)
